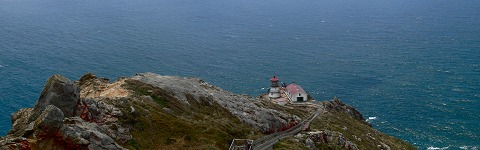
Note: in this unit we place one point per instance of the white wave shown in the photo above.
(371, 118)
(1, 66)
(469, 147)
(437, 148)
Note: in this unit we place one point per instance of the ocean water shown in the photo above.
(412, 67)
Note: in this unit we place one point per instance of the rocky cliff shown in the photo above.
(150, 111)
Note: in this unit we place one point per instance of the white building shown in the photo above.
(274, 89)
(296, 93)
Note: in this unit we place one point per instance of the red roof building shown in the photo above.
(296, 93)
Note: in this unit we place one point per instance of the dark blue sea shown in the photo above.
(412, 67)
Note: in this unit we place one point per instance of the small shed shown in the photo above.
(296, 93)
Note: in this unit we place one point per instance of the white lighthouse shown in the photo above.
(274, 89)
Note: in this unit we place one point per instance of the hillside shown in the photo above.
(150, 111)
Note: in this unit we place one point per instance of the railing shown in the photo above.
(241, 144)
(269, 140)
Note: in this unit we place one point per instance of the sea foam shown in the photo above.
(437, 148)
(371, 118)
(469, 147)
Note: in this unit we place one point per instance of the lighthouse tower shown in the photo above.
(274, 89)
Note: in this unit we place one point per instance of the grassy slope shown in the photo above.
(205, 125)
(336, 121)
(201, 125)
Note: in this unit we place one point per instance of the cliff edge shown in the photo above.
(150, 111)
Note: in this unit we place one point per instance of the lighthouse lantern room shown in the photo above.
(274, 89)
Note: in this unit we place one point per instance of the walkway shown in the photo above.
(268, 141)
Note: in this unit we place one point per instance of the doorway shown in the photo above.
(299, 99)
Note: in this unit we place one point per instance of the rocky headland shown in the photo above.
(150, 111)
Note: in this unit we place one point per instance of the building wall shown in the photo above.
(274, 92)
(304, 95)
(293, 98)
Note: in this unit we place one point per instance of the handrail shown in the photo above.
(268, 141)
(244, 146)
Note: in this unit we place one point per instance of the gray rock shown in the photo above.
(88, 134)
(20, 122)
(16, 143)
(60, 92)
(168, 110)
(88, 110)
(338, 106)
(350, 145)
(332, 137)
(341, 140)
(310, 144)
(104, 115)
(49, 122)
(247, 109)
(132, 110)
(52, 123)
(87, 77)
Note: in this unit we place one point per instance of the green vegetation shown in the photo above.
(328, 147)
(353, 130)
(161, 121)
(147, 90)
(300, 110)
(133, 144)
(168, 123)
(289, 144)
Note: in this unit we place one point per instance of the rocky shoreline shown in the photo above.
(150, 111)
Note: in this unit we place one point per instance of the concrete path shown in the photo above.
(267, 142)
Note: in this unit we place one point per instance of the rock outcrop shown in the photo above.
(331, 137)
(339, 106)
(54, 122)
(150, 111)
(49, 122)
(60, 92)
(310, 144)
(246, 108)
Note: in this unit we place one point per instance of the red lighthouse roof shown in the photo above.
(274, 79)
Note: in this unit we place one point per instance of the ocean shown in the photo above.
(412, 67)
